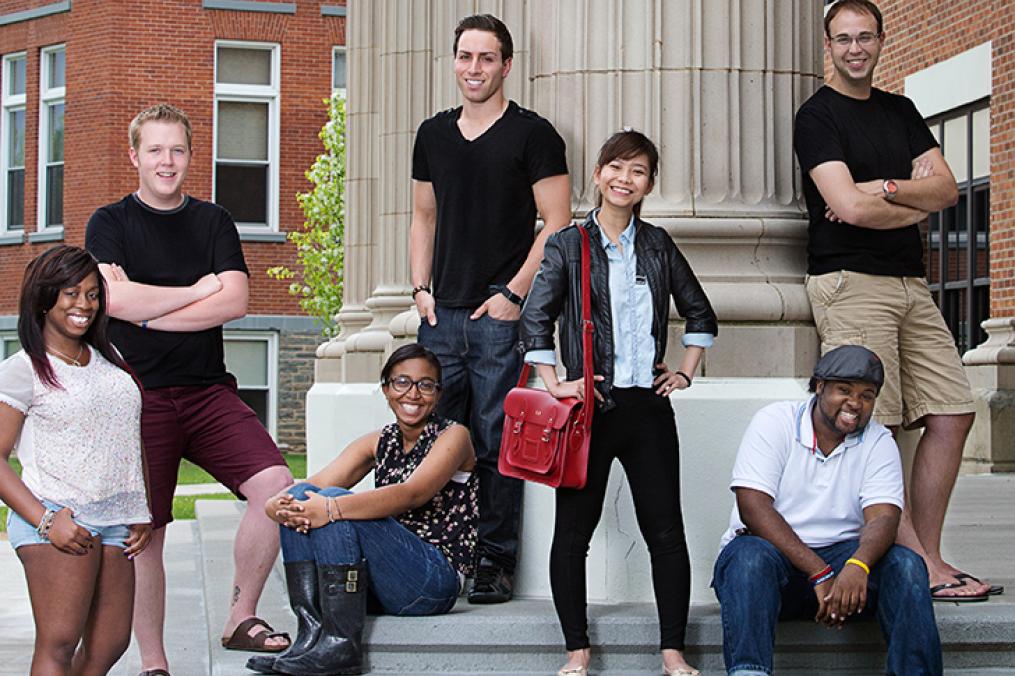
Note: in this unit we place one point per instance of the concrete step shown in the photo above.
(523, 636)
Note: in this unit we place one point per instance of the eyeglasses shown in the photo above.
(864, 39)
(425, 386)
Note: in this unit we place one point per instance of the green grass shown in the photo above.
(183, 506)
(192, 474)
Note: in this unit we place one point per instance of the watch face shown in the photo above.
(891, 187)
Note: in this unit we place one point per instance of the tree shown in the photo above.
(320, 253)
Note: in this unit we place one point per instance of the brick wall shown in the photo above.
(122, 57)
(920, 34)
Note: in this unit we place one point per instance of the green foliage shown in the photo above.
(317, 281)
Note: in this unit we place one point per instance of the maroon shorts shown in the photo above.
(211, 427)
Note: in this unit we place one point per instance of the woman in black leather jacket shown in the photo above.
(636, 268)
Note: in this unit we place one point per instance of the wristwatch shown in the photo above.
(890, 188)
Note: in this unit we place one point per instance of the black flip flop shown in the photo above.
(970, 598)
(995, 589)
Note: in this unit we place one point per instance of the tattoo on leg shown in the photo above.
(236, 595)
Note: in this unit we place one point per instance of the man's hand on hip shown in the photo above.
(426, 307)
(498, 307)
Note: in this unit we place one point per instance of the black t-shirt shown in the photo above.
(486, 213)
(167, 248)
(877, 138)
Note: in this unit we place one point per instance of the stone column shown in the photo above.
(991, 371)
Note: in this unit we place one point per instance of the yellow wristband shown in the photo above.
(858, 562)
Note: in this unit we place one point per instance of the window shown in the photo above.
(12, 145)
(338, 71)
(51, 114)
(246, 133)
(958, 251)
(253, 358)
(10, 345)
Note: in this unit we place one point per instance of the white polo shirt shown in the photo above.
(821, 498)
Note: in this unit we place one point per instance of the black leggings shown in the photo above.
(641, 432)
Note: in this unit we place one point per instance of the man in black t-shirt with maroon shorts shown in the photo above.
(175, 273)
(872, 171)
(481, 173)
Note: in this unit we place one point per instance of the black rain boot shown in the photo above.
(301, 583)
(342, 593)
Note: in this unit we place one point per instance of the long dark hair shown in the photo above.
(46, 276)
(626, 145)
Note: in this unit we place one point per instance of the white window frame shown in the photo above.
(48, 96)
(339, 90)
(253, 94)
(9, 104)
(271, 338)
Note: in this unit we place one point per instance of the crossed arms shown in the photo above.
(929, 188)
(211, 301)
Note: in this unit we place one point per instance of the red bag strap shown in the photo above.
(587, 328)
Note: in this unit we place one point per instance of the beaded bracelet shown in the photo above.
(821, 573)
(46, 523)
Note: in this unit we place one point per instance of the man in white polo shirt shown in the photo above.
(818, 500)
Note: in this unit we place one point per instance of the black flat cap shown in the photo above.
(851, 363)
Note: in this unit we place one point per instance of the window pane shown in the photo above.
(257, 400)
(243, 191)
(955, 147)
(242, 131)
(981, 143)
(244, 66)
(16, 138)
(15, 199)
(338, 70)
(54, 195)
(248, 361)
(56, 74)
(16, 76)
(56, 133)
(11, 345)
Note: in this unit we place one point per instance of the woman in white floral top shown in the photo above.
(409, 542)
(79, 512)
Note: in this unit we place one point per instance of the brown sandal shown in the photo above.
(242, 640)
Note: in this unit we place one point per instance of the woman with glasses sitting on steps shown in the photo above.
(408, 542)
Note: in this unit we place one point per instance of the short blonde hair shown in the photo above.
(161, 112)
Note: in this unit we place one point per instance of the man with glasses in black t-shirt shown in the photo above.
(481, 173)
(872, 171)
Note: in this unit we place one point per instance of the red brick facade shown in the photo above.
(921, 34)
(124, 56)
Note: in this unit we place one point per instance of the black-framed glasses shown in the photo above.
(425, 386)
(863, 39)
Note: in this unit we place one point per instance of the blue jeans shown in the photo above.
(757, 586)
(480, 363)
(407, 576)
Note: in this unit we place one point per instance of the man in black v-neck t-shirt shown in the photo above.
(872, 171)
(481, 174)
(175, 274)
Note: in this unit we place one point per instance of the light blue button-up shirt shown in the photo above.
(631, 308)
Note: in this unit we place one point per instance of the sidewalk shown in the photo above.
(522, 637)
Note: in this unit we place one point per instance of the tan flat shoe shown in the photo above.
(576, 671)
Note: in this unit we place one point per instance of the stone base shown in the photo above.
(711, 419)
(991, 443)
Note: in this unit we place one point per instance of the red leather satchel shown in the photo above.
(546, 439)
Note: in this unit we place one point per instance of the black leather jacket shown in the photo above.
(556, 293)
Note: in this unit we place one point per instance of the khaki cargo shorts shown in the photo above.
(896, 318)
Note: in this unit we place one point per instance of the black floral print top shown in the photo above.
(448, 521)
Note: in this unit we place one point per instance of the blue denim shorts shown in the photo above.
(22, 533)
